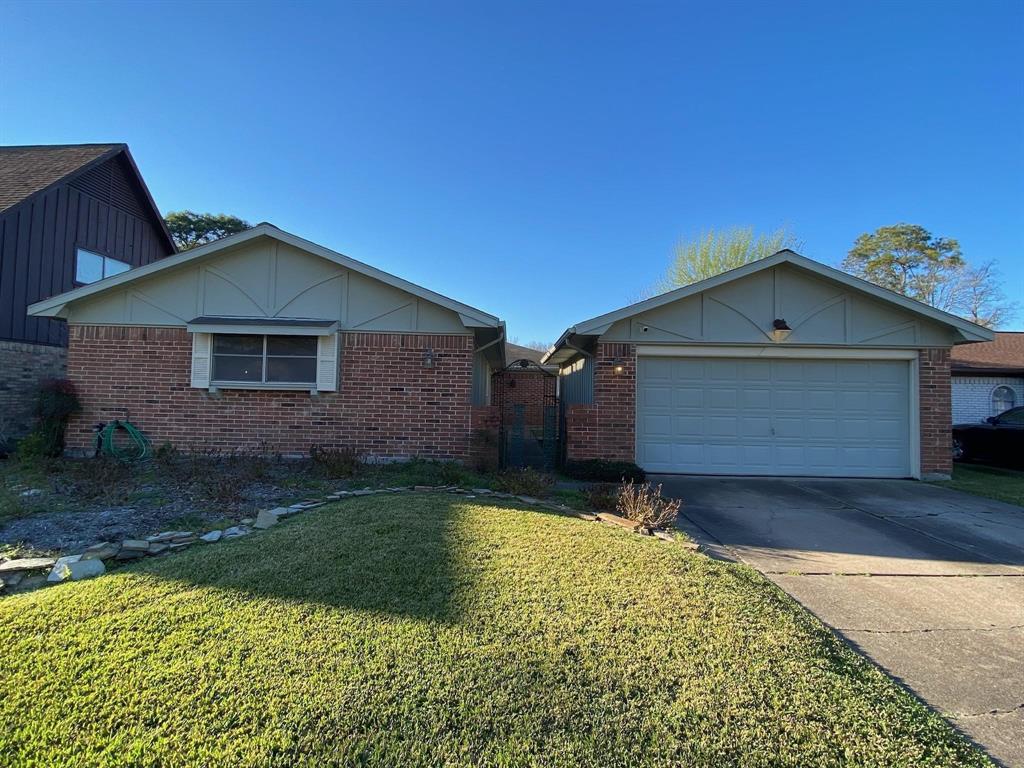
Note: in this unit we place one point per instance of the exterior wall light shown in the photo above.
(780, 330)
(428, 358)
(618, 368)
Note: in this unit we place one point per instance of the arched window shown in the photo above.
(1003, 399)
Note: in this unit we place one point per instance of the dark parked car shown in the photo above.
(997, 440)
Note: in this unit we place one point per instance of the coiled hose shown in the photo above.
(138, 445)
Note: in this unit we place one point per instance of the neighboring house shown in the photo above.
(781, 367)
(988, 378)
(69, 215)
(263, 341)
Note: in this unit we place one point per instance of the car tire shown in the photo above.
(958, 450)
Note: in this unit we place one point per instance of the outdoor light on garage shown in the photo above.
(617, 367)
(780, 330)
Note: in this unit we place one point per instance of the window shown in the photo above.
(1003, 399)
(90, 267)
(264, 359)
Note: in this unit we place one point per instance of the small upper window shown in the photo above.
(90, 267)
(262, 359)
(1003, 399)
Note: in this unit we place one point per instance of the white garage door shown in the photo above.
(827, 418)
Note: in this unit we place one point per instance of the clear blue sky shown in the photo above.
(540, 160)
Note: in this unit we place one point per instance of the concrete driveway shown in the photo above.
(927, 582)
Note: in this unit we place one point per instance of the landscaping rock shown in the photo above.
(265, 519)
(102, 551)
(140, 545)
(60, 567)
(608, 517)
(247, 521)
(211, 537)
(235, 531)
(664, 535)
(32, 492)
(131, 554)
(528, 500)
(481, 491)
(157, 547)
(26, 564)
(423, 487)
(12, 579)
(364, 492)
(76, 570)
(32, 581)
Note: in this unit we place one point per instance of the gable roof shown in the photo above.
(55, 306)
(596, 326)
(1003, 355)
(26, 171)
(515, 352)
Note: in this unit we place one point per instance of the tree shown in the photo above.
(713, 252)
(189, 229)
(908, 259)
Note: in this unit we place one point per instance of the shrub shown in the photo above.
(602, 498)
(31, 450)
(102, 478)
(336, 462)
(604, 471)
(56, 402)
(523, 482)
(644, 504)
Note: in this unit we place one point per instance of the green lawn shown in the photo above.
(992, 482)
(429, 630)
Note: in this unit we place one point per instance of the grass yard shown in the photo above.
(991, 482)
(429, 630)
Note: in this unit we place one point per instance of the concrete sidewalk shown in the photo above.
(925, 581)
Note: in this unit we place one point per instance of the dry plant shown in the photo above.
(644, 504)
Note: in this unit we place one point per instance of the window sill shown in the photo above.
(273, 387)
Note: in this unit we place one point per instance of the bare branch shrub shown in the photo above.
(644, 504)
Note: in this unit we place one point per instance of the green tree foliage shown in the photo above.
(190, 229)
(717, 251)
(908, 259)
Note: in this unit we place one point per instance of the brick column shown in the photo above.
(936, 413)
(615, 399)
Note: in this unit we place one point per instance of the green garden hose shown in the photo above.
(139, 442)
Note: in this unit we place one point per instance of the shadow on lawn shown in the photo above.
(400, 559)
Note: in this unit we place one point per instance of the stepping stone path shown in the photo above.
(32, 572)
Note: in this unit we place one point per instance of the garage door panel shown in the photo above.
(774, 417)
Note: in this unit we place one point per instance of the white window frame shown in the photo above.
(262, 383)
(104, 260)
(328, 356)
(992, 398)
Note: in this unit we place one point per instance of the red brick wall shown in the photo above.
(387, 403)
(936, 403)
(533, 389)
(606, 429)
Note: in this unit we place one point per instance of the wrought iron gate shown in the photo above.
(529, 427)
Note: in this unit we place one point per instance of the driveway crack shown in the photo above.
(989, 713)
(929, 629)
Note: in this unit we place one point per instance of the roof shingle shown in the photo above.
(27, 170)
(1003, 355)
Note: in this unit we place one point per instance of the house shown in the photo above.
(69, 215)
(988, 378)
(264, 341)
(781, 367)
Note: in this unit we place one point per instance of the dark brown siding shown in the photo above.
(102, 210)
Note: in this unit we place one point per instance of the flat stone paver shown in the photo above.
(925, 581)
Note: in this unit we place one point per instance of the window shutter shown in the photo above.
(201, 360)
(327, 363)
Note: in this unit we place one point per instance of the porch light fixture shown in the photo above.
(428, 358)
(780, 330)
(618, 368)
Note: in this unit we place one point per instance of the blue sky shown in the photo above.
(540, 160)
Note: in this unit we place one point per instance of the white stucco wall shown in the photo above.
(972, 396)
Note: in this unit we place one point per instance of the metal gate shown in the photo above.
(529, 427)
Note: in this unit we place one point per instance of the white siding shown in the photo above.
(972, 396)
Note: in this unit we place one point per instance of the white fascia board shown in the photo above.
(775, 351)
(471, 314)
(268, 329)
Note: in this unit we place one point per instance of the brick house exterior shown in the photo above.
(392, 376)
(715, 323)
(142, 375)
(988, 378)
